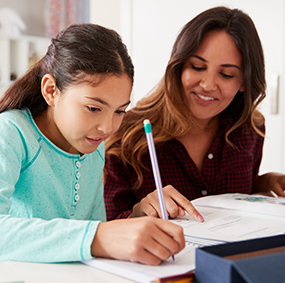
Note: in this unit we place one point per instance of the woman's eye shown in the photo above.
(227, 76)
(196, 68)
(121, 112)
(93, 109)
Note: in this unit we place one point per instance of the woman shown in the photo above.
(207, 130)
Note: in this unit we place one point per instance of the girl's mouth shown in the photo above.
(95, 141)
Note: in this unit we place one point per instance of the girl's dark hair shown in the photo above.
(77, 51)
(165, 107)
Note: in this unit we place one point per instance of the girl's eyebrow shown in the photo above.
(106, 103)
(223, 65)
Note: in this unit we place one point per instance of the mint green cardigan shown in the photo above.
(51, 202)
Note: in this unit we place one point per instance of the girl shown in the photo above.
(53, 123)
(208, 132)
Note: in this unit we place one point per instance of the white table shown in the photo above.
(13, 271)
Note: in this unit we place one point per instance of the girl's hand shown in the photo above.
(146, 240)
(175, 203)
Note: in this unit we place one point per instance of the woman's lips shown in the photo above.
(203, 99)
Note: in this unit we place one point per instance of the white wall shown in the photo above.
(31, 12)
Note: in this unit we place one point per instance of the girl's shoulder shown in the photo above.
(15, 116)
(17, 127)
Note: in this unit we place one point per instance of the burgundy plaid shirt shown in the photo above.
(225, 170)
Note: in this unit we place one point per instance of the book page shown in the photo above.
(184, 262)
(252, 203)
(229, 225)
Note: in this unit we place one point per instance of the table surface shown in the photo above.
(25, 272)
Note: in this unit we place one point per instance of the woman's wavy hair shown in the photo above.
(165, 107)
(76, 53)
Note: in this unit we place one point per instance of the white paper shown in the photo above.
(234, 217)
(228, 218)
(251, 203)
(184, 262)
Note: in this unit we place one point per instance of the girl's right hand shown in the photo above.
(176, 204)
(146, 240)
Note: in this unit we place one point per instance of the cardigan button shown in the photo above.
(76, 197)
(204, 192)
(78, 175)
(77, 186)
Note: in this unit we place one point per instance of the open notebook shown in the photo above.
(228, 218)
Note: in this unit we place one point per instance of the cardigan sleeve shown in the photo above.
(37, 240)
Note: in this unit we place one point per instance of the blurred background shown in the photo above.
(149, 29)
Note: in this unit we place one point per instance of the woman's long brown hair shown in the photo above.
(166, 108)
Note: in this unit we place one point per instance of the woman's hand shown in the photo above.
(175, 203)
(270, 182)
(146, 240)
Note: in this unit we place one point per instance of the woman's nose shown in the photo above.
(208, 82)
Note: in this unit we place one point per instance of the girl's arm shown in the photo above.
(146, 240)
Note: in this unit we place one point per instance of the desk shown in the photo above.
(13, 271)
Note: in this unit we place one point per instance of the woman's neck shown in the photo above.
(199, 127)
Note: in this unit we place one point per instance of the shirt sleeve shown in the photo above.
(119, 197)
(258, 152)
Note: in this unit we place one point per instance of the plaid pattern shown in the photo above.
(225, 170)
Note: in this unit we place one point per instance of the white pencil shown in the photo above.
(155, 169)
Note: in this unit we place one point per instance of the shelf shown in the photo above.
(17, 55)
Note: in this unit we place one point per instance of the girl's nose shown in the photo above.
(106, 127)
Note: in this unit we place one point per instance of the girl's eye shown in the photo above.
(93, 109)
(120, 112)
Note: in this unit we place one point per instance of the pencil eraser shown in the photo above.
(146, 121)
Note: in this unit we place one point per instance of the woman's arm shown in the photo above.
(270, 182)
(176, 204)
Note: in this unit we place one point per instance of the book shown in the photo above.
(234, 217)
(228, 218)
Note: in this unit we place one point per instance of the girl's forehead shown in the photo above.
(112, 90)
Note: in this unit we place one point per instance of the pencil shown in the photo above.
(155, 169)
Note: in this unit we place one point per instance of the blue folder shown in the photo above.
(212, 266)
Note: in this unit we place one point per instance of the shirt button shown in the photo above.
(78, 164)
(210, 155)
(78, 175)
(204, 192)
(76, 197)
(77, 186)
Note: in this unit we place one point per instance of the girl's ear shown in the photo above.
(49, 89)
